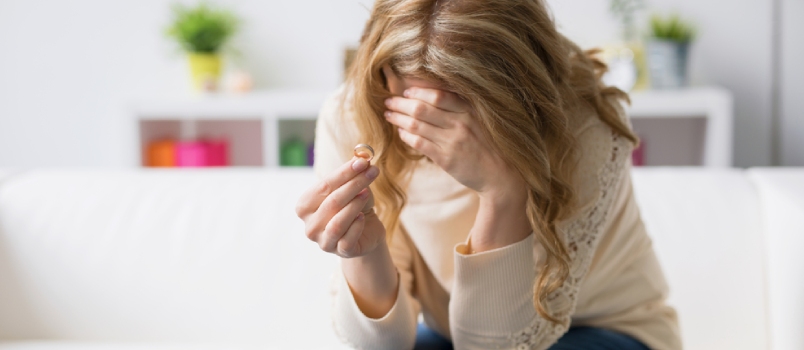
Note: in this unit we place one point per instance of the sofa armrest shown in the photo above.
(781, 194)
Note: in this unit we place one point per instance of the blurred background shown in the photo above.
(99, 83)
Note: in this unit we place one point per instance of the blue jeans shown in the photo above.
(577, 338)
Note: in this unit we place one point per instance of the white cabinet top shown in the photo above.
(285, 103)
(707, 102)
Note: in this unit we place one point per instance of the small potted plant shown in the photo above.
(202, 32)
(668, 51)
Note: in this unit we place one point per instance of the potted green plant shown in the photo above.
(202, 31)
(668, 51)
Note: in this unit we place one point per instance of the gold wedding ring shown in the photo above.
(364, 151)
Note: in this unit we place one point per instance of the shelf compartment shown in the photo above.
(672, 141)
(295, 128)
(245, 136)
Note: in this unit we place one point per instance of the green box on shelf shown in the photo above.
(293, 153)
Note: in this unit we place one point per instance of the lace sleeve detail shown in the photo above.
(581, 237)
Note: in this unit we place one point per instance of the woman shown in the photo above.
(499, 205)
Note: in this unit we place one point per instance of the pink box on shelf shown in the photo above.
(204, 153)
(191, 154)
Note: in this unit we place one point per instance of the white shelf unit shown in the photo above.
(680, 127)
(277, 114)
(700, 119)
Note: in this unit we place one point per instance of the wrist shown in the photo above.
(500, 221)
(372, 262)
(505, 193)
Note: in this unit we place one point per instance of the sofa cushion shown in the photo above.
(161, 256)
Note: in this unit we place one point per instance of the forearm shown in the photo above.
(492, 298)
(372, 308)
(373, 281)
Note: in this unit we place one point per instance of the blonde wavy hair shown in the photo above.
(523, 80)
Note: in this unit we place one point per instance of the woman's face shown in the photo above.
(397, 84)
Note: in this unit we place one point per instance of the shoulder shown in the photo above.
(334, 108)
(335, 132)
(602, 166)
(602, 154)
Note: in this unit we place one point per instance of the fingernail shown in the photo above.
(388, 102)
(387, 114)
(363, 194)
(406, 93)
(359, 164)
(360, 216)
(372, 173)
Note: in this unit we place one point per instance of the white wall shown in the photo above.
(68, 69)
(792, 83)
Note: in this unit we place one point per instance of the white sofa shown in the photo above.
(216, 259)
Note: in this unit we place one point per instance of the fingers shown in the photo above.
(414, 126)
(341, 222)
(311, 200)
(440, 99)
(418, 110)
(339, 198)
(348, 246)
(419, 143)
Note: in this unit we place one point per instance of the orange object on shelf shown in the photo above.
(161, 154)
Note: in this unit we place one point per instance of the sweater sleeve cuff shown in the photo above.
(493, 290)
(395, 330)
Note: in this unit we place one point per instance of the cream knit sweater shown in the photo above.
(483, 301)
